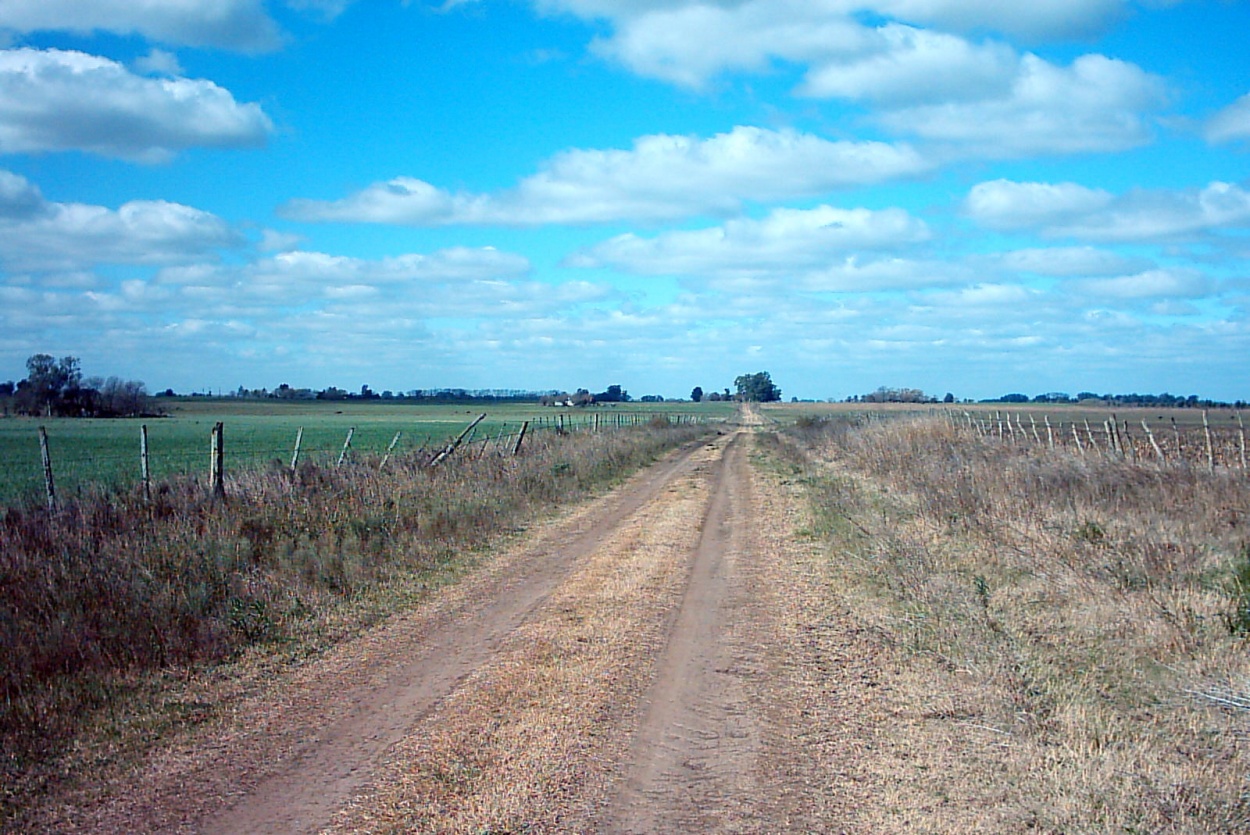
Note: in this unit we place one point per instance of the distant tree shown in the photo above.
(7, 389)
(51, 387)
(757, 388)
(885, 394)
(697, 394)
(614, 394)
(123, 398)
(949, 398)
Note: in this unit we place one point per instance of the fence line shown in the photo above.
(1200, 445)
(250, 457)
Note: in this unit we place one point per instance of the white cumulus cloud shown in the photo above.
(234, 24)
(1231, 123)
(1003, 204)
(1096, 104)
(1071, 210)
(1050, 19)
(1151, 284)
(1067, 261)
(912, 65)
(787, 240)
(55, 100)
(661, 177)
(37, 234)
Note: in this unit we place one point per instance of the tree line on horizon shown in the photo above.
(57, 388)
(886, 394)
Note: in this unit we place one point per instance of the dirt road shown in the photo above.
(651, 662)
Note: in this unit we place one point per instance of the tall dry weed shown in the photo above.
(1081, 612)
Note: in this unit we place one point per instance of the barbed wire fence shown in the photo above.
(1166, 442)
(145, 464)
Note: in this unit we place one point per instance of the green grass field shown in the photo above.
(258, 433)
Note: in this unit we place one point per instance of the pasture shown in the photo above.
(104, 453)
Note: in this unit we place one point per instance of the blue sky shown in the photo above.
(975, 197)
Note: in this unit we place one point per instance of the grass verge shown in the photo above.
(1071, 631)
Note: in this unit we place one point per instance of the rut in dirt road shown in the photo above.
(692, 765)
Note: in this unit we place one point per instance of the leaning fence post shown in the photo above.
(299, 438)
(47, 469)
(347, 444)
(143, 463)
(450, 448)
(516, 448)
(217, 459)
(390, 449)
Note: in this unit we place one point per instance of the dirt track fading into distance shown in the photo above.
(645, 663)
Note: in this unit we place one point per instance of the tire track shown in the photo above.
(693, 760)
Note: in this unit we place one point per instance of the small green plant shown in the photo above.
(1237, 617)
(982, 587)
(1091, 532)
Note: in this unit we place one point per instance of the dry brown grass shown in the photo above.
(1069, 657)
(104, 601)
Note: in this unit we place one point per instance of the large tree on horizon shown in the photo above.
(757, 388)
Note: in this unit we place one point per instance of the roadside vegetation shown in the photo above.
(1069, 633)
(113, 596)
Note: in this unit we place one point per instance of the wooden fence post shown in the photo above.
(299, 439)
(49, 486)
(389, 450)
(1153, 442)
(450, 448)
(143, 463)
(1242, 426)
(217, 460)
(1077, 435)
(516, 448)
(347, 444)
(1206, 429)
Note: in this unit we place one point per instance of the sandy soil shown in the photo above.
(659, 660)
